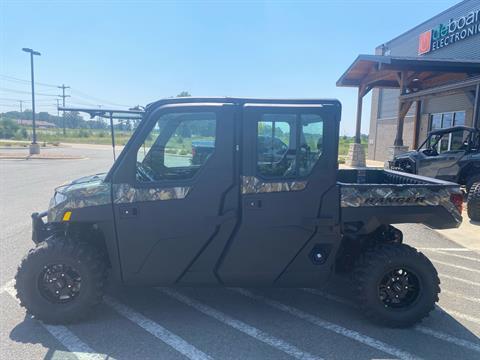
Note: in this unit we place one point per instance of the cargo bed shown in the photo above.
(378, 196)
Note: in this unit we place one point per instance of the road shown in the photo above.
(205, 323)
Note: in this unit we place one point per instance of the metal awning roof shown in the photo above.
(382, 71)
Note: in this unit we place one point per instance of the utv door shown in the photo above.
(167, 207)
(289, 202)
(451, 148)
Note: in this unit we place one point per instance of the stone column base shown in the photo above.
(394, 151)
(34, 149)
(356, 156)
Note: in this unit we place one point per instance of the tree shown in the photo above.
(8, 128)
(184, 94)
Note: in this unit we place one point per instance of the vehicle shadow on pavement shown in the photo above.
(201, 315)
(31, 331)
(291, 316)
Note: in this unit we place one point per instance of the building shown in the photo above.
(454, 35)
(38, 123)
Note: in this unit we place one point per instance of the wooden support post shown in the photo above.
(401, 106)
(359, 115)
(476, 108)
(416, 123)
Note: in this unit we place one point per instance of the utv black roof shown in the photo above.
(240, 101)
(450, 129)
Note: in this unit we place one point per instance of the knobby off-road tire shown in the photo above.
(471, 181)
(56, 267)
(379, 268)
(473, 202)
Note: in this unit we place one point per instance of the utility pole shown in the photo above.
(58, 111)
(21, 108)
(34, 147)
(63, 96)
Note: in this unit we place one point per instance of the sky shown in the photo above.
(124, 53)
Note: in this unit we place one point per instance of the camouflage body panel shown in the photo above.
(93, 191)
(357, 196)
(253, 185)
(125, 193)
(78, 195)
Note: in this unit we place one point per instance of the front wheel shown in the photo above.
(473, 202)
(59, 280)
(396, 285)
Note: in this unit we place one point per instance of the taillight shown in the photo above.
(457, 200)
(193, 151)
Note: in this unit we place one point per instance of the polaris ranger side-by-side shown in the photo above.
(267, 206)
(451, 154)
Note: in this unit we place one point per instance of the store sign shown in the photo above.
(446, 34)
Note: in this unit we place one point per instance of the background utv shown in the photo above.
(265, 206)
(451, 154)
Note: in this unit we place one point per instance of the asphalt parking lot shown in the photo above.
(208, 323)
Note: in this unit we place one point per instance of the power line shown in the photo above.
(79, 93)
(2, 98)
(23, 81)
(25, 92)
(89, 97)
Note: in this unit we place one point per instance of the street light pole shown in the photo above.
(34, 147)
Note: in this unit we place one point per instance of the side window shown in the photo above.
(312, 143)
(288, 145)
(177, 147)
(274, 156)
(459, 141)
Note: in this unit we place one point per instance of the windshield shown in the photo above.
(457, 140)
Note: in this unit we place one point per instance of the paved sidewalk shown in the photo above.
(467, 235)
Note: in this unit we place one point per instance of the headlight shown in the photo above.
(58, 198)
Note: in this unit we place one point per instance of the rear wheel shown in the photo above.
(473, 202)
(396, 285)
(59, 280)
(472, 180)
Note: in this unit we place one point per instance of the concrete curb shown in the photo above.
(41, 157)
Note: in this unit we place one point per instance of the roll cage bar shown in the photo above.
(131, 114)
(474, 133)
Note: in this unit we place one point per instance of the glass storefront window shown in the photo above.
(436, 122)
(460, 118)
(446, 120)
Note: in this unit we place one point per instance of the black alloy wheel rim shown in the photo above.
(59, 283)
(399, 289)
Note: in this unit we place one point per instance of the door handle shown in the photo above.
(128, 212)
(254, 204)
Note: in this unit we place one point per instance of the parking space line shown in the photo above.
(340, 330)
(455, 266)
(425, 330)
(444, 249)
(460, 296)
(448, 338)
(458, 256)
(62, 334)
(469, 282)
(459, 315)
(155, 329)
(249, 330)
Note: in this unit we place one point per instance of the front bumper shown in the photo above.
(39, 228)
(42, 230)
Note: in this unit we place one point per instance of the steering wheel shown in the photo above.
(144, 172)
(430, 152)
(304, 150)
